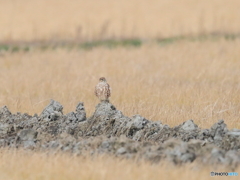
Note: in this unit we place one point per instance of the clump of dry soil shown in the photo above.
(109, 131)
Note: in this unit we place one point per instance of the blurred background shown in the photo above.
(168, 60)
(80, 20)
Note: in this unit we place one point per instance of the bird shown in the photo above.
(103, 90)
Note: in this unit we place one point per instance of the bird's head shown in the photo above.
(102, 79)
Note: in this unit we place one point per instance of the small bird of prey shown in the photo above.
(103, 90)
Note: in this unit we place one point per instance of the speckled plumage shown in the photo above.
(103, 90)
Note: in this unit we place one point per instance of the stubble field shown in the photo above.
(171, 81)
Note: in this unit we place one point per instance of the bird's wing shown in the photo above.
(110, 90)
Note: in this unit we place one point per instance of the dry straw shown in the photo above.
(83, 20)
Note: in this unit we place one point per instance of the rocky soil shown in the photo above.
(108, 131)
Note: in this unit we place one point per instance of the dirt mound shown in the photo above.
(109, 131)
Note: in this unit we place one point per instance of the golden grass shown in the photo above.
(173, 83)
(103, 19)
(18, 165)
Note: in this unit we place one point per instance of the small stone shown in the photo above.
(52, 111)
(27, 135)
(121, 150)
(29, 144)
(233, 133)
(4, 111)
(138, 122)
(189, 126)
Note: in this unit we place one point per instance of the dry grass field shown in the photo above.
(171, 82)
(22, 165)
(106, 19)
